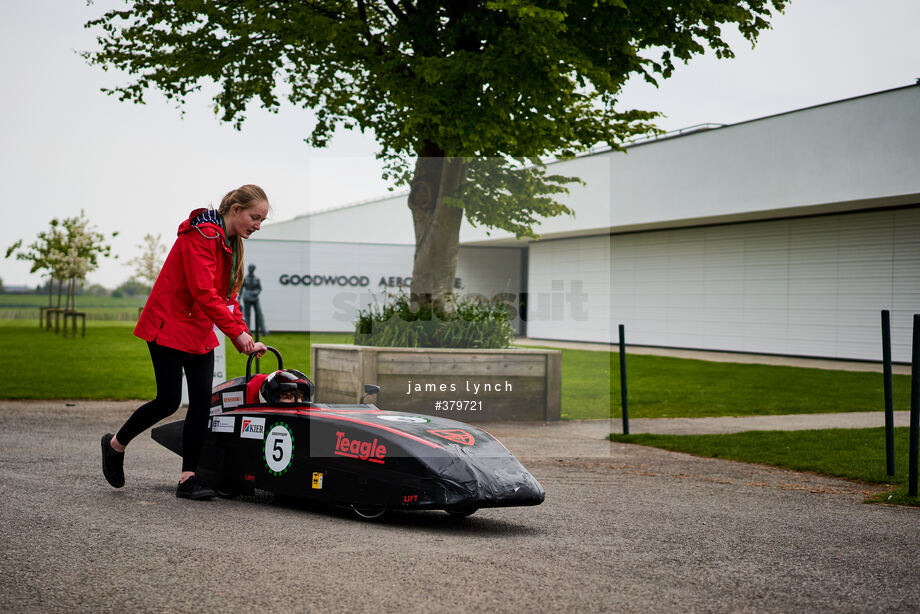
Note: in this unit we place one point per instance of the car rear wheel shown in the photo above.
(368, 513)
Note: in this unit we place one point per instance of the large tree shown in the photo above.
(476, 92)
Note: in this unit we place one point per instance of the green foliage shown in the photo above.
(466, 323)
(510, 195)
(96, 290)
(499, 78)
(497, 84)
(132, 287)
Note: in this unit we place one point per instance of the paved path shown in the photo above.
(624, 528)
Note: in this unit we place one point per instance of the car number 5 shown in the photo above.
(279, 449)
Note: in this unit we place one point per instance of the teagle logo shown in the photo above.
(370, 451)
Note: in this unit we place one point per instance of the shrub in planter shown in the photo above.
(467, 322)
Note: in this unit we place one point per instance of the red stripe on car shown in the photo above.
(324, 413)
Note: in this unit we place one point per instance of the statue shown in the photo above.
(252, 287)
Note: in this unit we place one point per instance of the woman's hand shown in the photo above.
(244, 344)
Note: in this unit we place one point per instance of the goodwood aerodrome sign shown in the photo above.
(343, 281)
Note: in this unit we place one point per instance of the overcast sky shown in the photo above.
(139, 169)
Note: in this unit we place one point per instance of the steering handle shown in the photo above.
(252, 357)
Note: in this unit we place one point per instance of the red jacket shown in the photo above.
(192, 291)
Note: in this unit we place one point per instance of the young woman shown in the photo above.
(195, 290)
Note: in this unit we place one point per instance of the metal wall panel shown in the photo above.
(568, 286)
(802, 286)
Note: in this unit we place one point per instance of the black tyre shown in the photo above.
(368, 513)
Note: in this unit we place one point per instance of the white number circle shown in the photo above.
(279, 449)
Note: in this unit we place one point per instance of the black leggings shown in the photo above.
(167, 367)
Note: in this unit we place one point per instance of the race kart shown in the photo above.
(348, 455)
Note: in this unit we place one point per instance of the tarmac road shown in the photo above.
(623, 528)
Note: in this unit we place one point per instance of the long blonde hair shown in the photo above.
(244, 197)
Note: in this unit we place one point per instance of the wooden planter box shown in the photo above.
(467, 385)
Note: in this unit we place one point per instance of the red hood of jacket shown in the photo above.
(208, 224)
(192, 292)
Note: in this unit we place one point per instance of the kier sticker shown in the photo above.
(253, 428)
(232, 399)
(454, 435)
(223, 424)
(317, 480)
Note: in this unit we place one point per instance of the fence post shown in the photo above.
(914, 409)
(886, 375)
(624, 399)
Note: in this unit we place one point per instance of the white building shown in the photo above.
(786, 235)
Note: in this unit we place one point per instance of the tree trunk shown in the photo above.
(437, 226)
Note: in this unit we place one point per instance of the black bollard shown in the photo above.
(623, 396)
(914, 409)
(886, 375)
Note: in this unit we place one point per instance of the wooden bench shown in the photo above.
(47, 312)
(74, 315)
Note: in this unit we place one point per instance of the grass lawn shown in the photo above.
(110, 363)
(664, 387)
(856, 454)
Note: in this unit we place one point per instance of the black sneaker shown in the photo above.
(192, 488)
(112, 462)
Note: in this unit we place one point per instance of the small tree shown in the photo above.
(67, 252)
(45, 254)
(148, 264)
(82, 248)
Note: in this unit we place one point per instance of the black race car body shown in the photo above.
(354, 455)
